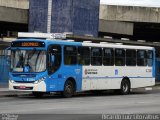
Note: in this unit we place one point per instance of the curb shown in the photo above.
(4, 92)
(13, 93)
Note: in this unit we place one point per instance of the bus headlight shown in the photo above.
(41, 79)
(12, 81)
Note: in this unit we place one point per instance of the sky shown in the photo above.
(143, 3)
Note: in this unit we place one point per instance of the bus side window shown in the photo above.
(96, 56)
(131, 57)
(84, 55)
(53, 66)
(141, 58)
(119, 57)
(70, 55)
(67, 60)
(150, 58)
(108, 57)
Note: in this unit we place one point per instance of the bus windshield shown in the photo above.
(28, 61)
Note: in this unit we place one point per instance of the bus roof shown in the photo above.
(114, 45)
(65, 42)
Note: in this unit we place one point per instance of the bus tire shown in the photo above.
(68, 89)
(125, 87)
(38, 94)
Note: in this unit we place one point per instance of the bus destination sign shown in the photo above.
(28, 44)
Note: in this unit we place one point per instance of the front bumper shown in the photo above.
(39, 87)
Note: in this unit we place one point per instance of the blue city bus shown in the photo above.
(42, 65)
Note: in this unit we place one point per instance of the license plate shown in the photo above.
(22, 87)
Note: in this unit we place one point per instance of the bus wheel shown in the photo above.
(38, 94)
(68, 89)
(125, 87)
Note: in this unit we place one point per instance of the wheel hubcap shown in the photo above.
(68, 89)
(125, 87)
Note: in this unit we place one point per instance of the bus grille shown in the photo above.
(24, 81)
(22, 88)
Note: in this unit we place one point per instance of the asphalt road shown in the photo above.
(88, 104)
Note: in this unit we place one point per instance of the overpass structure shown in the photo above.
(133, 22)
(13, 16)
(118, 21)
